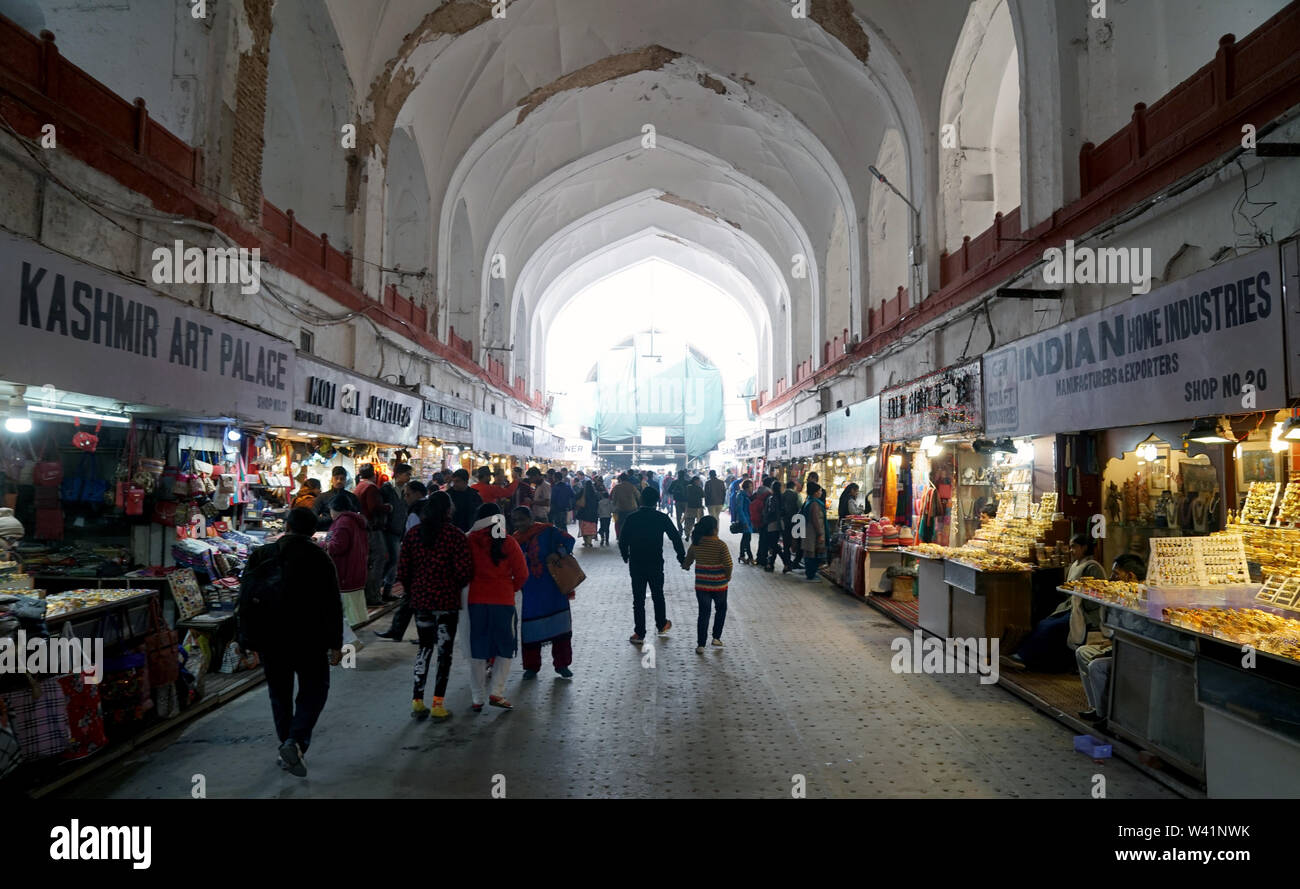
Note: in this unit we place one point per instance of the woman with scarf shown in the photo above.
(546, 607)
(348, 544)
(499, 573)
(816, 532)
(588, 513)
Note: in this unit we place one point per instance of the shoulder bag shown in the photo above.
(565, 571)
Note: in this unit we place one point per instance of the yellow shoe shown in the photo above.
(418, 710)
(438, 711)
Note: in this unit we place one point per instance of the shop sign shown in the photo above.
(778, 444)
(854, 427)
(521, 439)
(938, 404)
(808, 439)
(1207, 345)
(74, 327)
(578, 451)
(493, 434)
(753, 445)
(334, 402)
(447, 416)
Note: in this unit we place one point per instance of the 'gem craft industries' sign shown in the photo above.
(77, 328)
(942, 403)
(1207, 345)
(335, 402)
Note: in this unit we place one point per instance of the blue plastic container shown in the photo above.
(1092, 746)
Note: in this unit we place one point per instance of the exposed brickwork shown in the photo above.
(250, 110)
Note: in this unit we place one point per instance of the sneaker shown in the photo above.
(564, 672)
(292, 758)
(528, 674)
(699, 649)
(387, 635)
(418, 710)
(635, 639)
(668, 625)
(787, 569)
(438, 711)
(1090, 716)
(476, 707)
(717, 643)
(814, 579)
(498, 701)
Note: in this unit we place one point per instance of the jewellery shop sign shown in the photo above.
(444, 421)
(1205, 345)
(944, 402)
(77, 328)
(335, 402)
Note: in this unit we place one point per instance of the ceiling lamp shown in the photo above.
(929, 441)
(16, 420)
(1206, 430)
(1291, 431)
(85, 415)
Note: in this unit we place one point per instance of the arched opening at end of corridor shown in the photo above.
(656, 362)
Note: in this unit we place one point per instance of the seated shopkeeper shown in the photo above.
(1095, 657)
(1050, 647)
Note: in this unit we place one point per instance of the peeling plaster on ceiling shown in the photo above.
(648, 58)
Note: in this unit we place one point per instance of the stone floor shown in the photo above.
(803, 687)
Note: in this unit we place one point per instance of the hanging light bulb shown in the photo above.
(233, 435)
(1278, 444)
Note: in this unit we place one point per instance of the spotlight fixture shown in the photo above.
(1206, 430)
(16, 420)
(1291, 431)
(233, 435)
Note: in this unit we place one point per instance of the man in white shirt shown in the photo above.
(541, 494)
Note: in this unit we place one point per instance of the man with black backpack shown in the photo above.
(394, 498)
(291, 614)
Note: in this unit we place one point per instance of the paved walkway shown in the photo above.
(803, 687)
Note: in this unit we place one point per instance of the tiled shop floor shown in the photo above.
(803, 687)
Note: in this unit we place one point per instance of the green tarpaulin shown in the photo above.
(632, 391)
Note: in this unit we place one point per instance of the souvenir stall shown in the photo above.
(923, 426)
(751, 451)
(108, 444)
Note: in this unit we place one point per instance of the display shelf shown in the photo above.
(1198, 561)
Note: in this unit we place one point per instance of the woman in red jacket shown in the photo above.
(500, 572)
(432, 569)
(348, 544)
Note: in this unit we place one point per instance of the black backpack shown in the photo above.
(264, 612)
(771, 509)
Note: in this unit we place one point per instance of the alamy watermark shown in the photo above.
(179, 264)
(19, 654)
(1100, 265)
(934, 655)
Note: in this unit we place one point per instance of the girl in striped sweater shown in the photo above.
(712, 573)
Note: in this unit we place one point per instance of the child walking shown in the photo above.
(605, 511)
(712, 573)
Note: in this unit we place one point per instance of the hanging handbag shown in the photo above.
(86, 441)
(39, 719)
(85, 716)
(161, 648)
(11, 752)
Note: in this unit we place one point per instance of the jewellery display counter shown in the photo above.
(1208, 677)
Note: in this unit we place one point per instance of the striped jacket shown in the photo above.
(712, 565)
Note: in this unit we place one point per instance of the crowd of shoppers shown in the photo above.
(479, 560)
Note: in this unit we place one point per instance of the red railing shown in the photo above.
(1252, 81)
(118, 138)
(458, 345)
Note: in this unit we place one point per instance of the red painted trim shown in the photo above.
(118, 138)
(1252, 81)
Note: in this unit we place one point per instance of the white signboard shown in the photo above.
(578, 451)
(445, 417)
(494, 434)
(947, 401)
(333, 401)
(778, 444)
(752, 445)
(74, 327)
(808, 439)
(1206, 345)
(854, 427)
